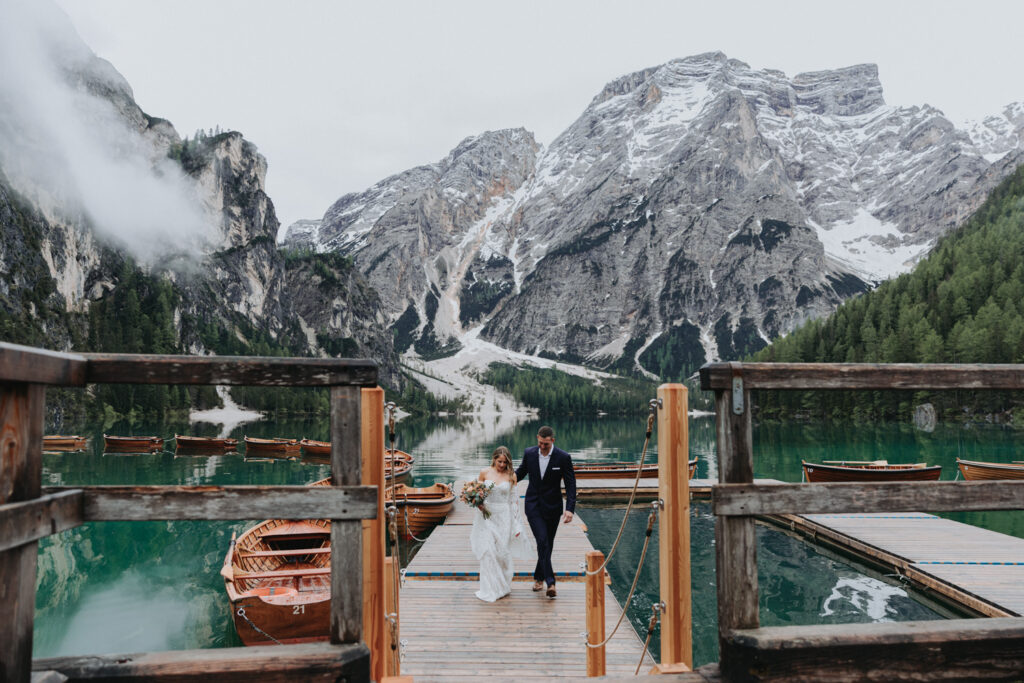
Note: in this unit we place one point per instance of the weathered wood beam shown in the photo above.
(30, 520)
(823, 376)
(267, 664)
(142, 503)
(29, 364)
(233, 370)
(21, 443)
(735, 545)
(946, 650)
(863, 497)
(346, 537)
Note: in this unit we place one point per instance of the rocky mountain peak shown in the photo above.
(850, 91)
(693, 211)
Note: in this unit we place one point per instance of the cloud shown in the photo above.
(73, 140)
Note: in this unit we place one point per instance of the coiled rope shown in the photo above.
(653, 403)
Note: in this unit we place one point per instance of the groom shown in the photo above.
(547, 467)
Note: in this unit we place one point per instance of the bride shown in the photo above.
(497, 538)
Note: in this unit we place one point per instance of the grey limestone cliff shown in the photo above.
(701, 206)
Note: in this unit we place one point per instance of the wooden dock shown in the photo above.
(449, 633)
(978, 569)
(965, 566)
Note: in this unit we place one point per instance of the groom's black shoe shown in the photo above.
(551, 591)
(538, 586)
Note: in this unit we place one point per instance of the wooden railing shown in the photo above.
(29, 512)
(958, 649)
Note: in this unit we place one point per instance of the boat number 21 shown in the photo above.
(298, 609)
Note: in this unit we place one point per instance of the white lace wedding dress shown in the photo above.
(497, 540)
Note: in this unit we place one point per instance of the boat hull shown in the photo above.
(817, 473)
(621, 470)
(288, 447)
(289, 619)
(64, 443)
(421, 508)
(277, 578)
(131, 444)
(973, 470)
(201, 444)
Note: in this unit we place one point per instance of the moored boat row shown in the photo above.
(882, 470)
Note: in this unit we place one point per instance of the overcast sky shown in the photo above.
(339, 95)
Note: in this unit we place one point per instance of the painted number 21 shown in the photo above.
(298, 609)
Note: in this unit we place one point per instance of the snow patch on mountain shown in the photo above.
(870, 247)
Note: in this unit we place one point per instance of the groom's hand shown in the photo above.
(567, 517)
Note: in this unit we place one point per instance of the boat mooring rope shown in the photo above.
(396, 555)
(653, 403)
(657, 608)
(241, 613)
(640, 565)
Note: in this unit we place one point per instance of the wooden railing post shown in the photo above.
(392, 659)
(735, 542)
(346, 537)
(374, 577)
(674, 525)
(21, 443)
(595, 614)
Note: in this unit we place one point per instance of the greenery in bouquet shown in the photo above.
(474, 493)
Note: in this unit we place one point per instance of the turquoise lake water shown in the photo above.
(136, 586)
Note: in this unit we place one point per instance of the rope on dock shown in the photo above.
(657, 608)
(640, 565)
(653, 404)
(396, 555)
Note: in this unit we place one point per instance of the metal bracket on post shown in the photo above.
(737, 395)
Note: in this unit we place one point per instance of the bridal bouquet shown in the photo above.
(474, 493)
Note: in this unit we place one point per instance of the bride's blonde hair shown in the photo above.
(502, 451)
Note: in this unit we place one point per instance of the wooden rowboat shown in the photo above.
(620, 470)
(132, 444)
(255, 446)
(396, 464)
(875, 470)
(278, 580)
(64, 443)
(322, 449)
(311, 447)
(420, 509)
(972, 470)
(202, 443)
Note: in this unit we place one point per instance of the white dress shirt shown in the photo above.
(543, 460)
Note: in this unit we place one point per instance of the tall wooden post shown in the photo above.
(392, 660)
(346, 536)
(21, 444)
(674, 525)
(595, 614)
(735, 541)
(374, 578)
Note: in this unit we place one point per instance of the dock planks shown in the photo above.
(977, 568)
(449, 633)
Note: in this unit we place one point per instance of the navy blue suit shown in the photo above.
(544, 502)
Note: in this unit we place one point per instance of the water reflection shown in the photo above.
(89, 577)
(859, 596)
